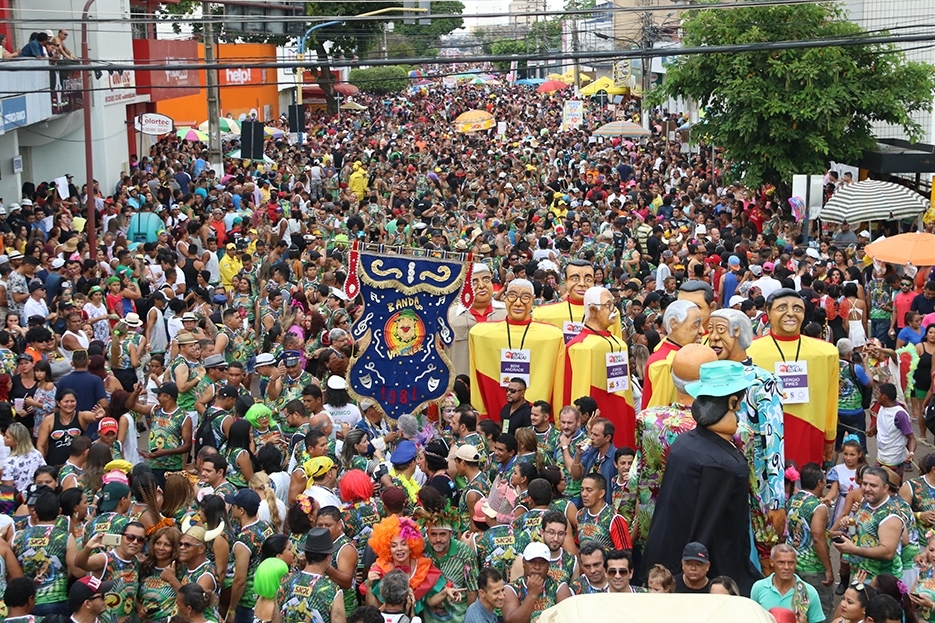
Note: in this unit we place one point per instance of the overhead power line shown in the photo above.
(312, 61)
(222, 19)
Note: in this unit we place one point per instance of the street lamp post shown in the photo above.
(88, 147)
(303, 40)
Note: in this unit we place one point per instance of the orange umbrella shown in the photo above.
(551, 85)
(913, 248)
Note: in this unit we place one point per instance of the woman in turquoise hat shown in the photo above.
(704, 496)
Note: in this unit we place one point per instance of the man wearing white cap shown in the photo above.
(528, 597)
(461, 319)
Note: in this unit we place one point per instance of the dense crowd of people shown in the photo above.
(180, 443)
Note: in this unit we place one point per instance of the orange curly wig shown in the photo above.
(391, 527)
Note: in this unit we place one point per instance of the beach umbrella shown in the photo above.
(415, 73)
(273, 132)
(191, 134)
(474, 121)
(228, 126)
(550, 86)
(352, 106)
(657, 608)
(916, 248)
(622, 128)
(873, 200)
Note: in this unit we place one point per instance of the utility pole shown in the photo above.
(574, 46)
(646, 42)
(214, 107)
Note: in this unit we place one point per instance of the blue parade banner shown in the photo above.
(403, 328)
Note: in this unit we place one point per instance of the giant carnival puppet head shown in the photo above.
(701, 294)
(482, 282)
(718, 393)
(579, 276)
(686, 364)
(730, 334)
(600, 310)
(786, 311)
(519, 299)
(683, 322)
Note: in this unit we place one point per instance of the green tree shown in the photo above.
(381, 80)
(424, 37)
(508, 46)
(781, 112)
(347, 39)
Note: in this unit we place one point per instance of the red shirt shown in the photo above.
(482, 317)
(901, 304)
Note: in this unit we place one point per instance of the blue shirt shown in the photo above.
(765, 593)
(607, 468)
(88, 387)
(32, 49)
(910, 336)
(478, 613)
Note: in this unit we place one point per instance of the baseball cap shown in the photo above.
(111, 495)
(365, 403)
(247, 499)
(696, 551)
(812, 253)
(404, 452)
(536, 550)
(87, 588)
(756, 269)
(733, 260)
(228, 391)
(768, 267)
(467, 453)
(36, 286)
(736, 300)
(58, 262)
(33, 492)
(108, 425)
(169, 388)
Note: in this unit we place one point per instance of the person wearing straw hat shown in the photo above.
(705, 495)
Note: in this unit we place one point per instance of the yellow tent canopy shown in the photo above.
(603, 84)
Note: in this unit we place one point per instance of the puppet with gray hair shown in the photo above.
(761, 429)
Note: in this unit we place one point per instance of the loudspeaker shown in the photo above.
(251, 140)
(296, 118)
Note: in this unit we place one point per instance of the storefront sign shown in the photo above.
(122, 87)
(153, 124)
(14, 112)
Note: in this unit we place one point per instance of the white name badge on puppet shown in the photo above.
(794, 375)
(571, 329)
(618, 372)
(514, 363)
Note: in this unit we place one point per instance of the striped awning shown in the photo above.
(872, 200)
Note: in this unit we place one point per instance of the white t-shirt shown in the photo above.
(348, 414)
(264, 510)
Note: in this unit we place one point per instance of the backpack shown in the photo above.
(866, 391)
(205, 436)
(929, 416)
